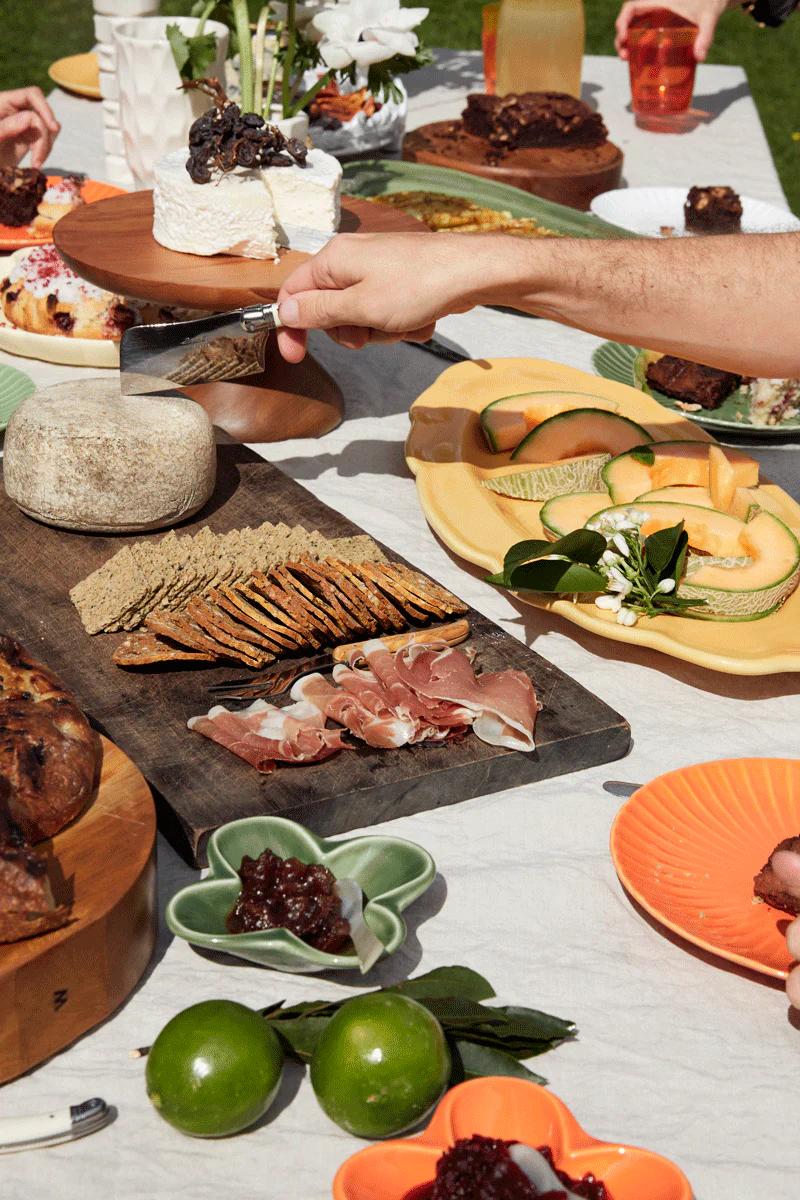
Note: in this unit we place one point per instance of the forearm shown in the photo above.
(728, 302)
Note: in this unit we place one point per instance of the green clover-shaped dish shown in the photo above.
(390, 872)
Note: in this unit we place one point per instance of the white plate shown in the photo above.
(72, 352)
(646, 209)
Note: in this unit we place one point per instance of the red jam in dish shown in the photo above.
(480, 1168)
(284, 893)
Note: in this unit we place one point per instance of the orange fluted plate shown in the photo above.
(687, 846)
(449, 456)
(514, 1110)
(14, 237)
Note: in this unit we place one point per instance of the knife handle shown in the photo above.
(260, 316)
(452, 634)
(48, 1129)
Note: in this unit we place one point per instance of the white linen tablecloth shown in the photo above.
(677, 1051)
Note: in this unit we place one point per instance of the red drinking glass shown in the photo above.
(662, 63)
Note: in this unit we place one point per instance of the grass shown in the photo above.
(37, 31)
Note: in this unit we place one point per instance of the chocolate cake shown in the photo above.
(21, 191)
(713, 210)
(690, 382)
(547, 143)
(533, 119)
(769, 888)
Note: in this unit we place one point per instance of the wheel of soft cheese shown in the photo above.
(81, 456)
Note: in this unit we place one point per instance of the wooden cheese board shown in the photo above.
(114, 248)
(104, 865)
(198, 784)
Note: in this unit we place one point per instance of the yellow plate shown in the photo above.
(447, 453)
(79, 73)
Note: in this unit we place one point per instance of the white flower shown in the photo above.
(365, 32)
(626, 616)
(666, 586)
(611, 603)
(621, 544)
(609, 559)
(617, 582)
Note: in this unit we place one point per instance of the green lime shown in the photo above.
(380, 1066)
(214, 1069)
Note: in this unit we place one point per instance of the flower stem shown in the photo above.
(204, 15)
(258, 58)
(288, 62)
(273, 73)
(241, 20)
(307, 97)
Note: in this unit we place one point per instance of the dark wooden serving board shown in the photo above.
(200, 785)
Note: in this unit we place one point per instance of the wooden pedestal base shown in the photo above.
(284, 401)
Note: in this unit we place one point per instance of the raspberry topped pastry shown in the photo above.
(42, 295)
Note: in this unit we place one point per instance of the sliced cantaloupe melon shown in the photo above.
(564, 514)
(710, 531)
(741, 592)
(680, 494)
(505, 422)
(583, 474)
(662, 464)
(721, 478)
(579, 432)
(748, 502)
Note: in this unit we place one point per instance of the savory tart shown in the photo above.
(41, 294)
(457, 214)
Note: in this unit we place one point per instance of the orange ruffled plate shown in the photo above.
(514, 1110)
(15, 237)
(687, 846)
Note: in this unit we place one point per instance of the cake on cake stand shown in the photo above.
(111, 244)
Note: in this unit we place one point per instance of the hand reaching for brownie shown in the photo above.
(27, 123)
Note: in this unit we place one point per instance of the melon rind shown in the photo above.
(615, 435)
(518, 403)
(753, 603)
(551, 479)
(586, 504)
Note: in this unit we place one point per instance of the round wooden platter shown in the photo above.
(539, 172)
(111, 244)
(55, 987)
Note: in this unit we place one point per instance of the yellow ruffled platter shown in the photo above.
(447, 453)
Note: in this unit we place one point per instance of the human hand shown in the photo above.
(382, 288)
(26, 123)
(786, 865)
(705, 14)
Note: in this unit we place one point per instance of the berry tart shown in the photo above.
(40, 294)
(245, 189)
(547, 143)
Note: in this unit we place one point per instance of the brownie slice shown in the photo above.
(713, 210)
(21, 191)
(690, 382)
(769, 888)
(533, 119)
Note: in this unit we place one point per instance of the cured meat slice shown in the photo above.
(503, 703)
(264, 735)
(382, 729)
(428, 711)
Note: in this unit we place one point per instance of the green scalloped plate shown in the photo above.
(381, 177)
(627, 364)
(15, 386)
(392, 874)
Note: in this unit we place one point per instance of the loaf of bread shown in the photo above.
(81, 456)
(50, 761)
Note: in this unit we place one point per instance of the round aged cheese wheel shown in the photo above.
(81, 456)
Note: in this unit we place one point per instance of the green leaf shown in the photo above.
(660, 548)
(522, 552)
(179, 44)
(556, 575)
(535, 1025)
(447, 981)
(643, 454)
(581, 546)
(302, 1035)
(474, 1062)
(193, 55)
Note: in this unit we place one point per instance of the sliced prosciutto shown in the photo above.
(372, 723)
(264, 734)
(502, 704)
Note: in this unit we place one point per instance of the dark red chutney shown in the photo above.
(284, 893)
(480, 1168)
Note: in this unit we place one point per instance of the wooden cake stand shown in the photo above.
(55, 987)
(111, 244)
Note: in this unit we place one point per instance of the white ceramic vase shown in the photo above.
(126, 8)
(155, 114)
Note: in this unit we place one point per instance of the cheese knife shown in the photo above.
(50, 1129)
(173, 354)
